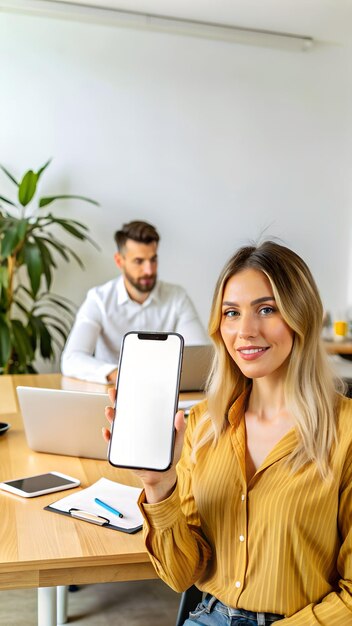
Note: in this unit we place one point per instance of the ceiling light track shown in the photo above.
(159, 23)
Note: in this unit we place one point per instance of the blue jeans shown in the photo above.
(212, 612)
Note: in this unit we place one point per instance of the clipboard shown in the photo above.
(80, 505)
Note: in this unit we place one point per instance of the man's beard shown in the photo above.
(140, 286)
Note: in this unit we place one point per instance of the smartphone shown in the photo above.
(147, 390)
(39, 485)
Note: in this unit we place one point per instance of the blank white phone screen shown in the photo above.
(146, 401)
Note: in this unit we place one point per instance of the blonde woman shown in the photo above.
(258, 512)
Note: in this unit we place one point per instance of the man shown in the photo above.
(134, 301)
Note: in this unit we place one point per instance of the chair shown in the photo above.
(189, 600)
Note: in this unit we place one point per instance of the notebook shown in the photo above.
(64, 422)
(195, 367)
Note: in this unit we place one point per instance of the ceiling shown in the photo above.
(328, 21)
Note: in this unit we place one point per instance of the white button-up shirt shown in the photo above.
(93, 346)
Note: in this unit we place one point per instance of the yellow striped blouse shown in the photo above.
(282, 543)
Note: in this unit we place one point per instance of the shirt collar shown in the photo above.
(122, 295)
(237, 409)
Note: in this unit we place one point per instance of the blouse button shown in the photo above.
(241, 538)
(243, 497)
(237, 584)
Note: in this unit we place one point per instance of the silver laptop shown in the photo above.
(195, 367)
(64, 422)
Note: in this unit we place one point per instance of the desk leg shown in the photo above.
(47, 606)
(62, 597)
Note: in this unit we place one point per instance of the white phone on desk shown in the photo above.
(147, 390)
(40, 484)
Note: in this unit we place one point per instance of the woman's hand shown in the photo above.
(157, 485)
(109, 413)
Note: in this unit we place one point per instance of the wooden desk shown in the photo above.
(338, 347)
(39, 548)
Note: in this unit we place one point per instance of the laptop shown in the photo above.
(64, 422)
(195, 367)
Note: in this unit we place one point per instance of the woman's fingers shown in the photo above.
(180, 422)
(109, 414)
(112, 394)
(106, 434)
(180, 426)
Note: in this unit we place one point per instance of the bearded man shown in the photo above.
(136, 300)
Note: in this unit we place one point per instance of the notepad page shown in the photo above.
(121, 497)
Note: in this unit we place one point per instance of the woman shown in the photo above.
(258, 513)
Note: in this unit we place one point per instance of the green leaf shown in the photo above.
(24, 288)
(5, 222)
(46, 220)
(45, 340)
(9, 175)
(4, 276)
(49, 318)
(22, 226)
(27, 187)
(47, 260)
(34, 265)
(9, 242)
(5, 342)
(22, 342)
(69, 308)
(73, 230)
(76, 257)
(21, 306)
(48, 321)
(44, 248)
(49, 199)
(82, 226)
(41, 170)
(61, 332)
(32, 332)
(6, 200)
(58, 246)
(63, 250)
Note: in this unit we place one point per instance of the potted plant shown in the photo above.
(33, 320)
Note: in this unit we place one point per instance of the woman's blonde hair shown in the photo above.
(310, 388)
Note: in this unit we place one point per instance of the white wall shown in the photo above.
(212, 142)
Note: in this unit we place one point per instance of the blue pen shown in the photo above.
(108, 507)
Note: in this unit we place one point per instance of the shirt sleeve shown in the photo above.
(188, 322)
(176, 545)
(78, 358)
(335, 609)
